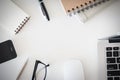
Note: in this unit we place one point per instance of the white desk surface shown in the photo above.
(63, 37)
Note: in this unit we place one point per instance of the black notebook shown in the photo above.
(7, 51)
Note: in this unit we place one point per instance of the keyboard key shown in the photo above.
(115, 48)
(109, 54)
(113, 73)
(115, 53)
(110, 78)
(112, 66)
(111, 60)
(116, 78)
(108, 48)
(118, 60)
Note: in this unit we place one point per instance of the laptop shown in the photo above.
(12, 69)
(109, 58)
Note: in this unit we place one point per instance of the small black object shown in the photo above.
(115, 48)
(44, 10)
(116, 53)
(111, 60)
(109, 54)
(7, 51)
(35, 69)
(112, 67)
(115, 39)
(113, 73)
(110, 78)
(108, 48)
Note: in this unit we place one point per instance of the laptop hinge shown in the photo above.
(115, 39)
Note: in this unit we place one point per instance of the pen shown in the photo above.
(44, 10)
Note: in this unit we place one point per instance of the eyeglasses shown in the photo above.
(35, 69)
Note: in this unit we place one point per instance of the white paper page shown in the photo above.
(11, 16)
(92, 11)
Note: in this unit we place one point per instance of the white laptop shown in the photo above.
(109, 58)
(12, 69)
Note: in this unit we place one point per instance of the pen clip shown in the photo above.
(43, 10)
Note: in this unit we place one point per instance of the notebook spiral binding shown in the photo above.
(21, 25)
(86, 6)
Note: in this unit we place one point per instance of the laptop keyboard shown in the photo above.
(113, 63)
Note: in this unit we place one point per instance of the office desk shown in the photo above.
(63, 38)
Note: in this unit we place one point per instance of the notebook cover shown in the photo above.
(91, 12)
(12, 70)
(73, 4)
(12, 17)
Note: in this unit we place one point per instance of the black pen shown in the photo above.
(44, 10)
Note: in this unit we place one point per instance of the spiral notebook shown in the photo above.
(84, 8)
(12, 18)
